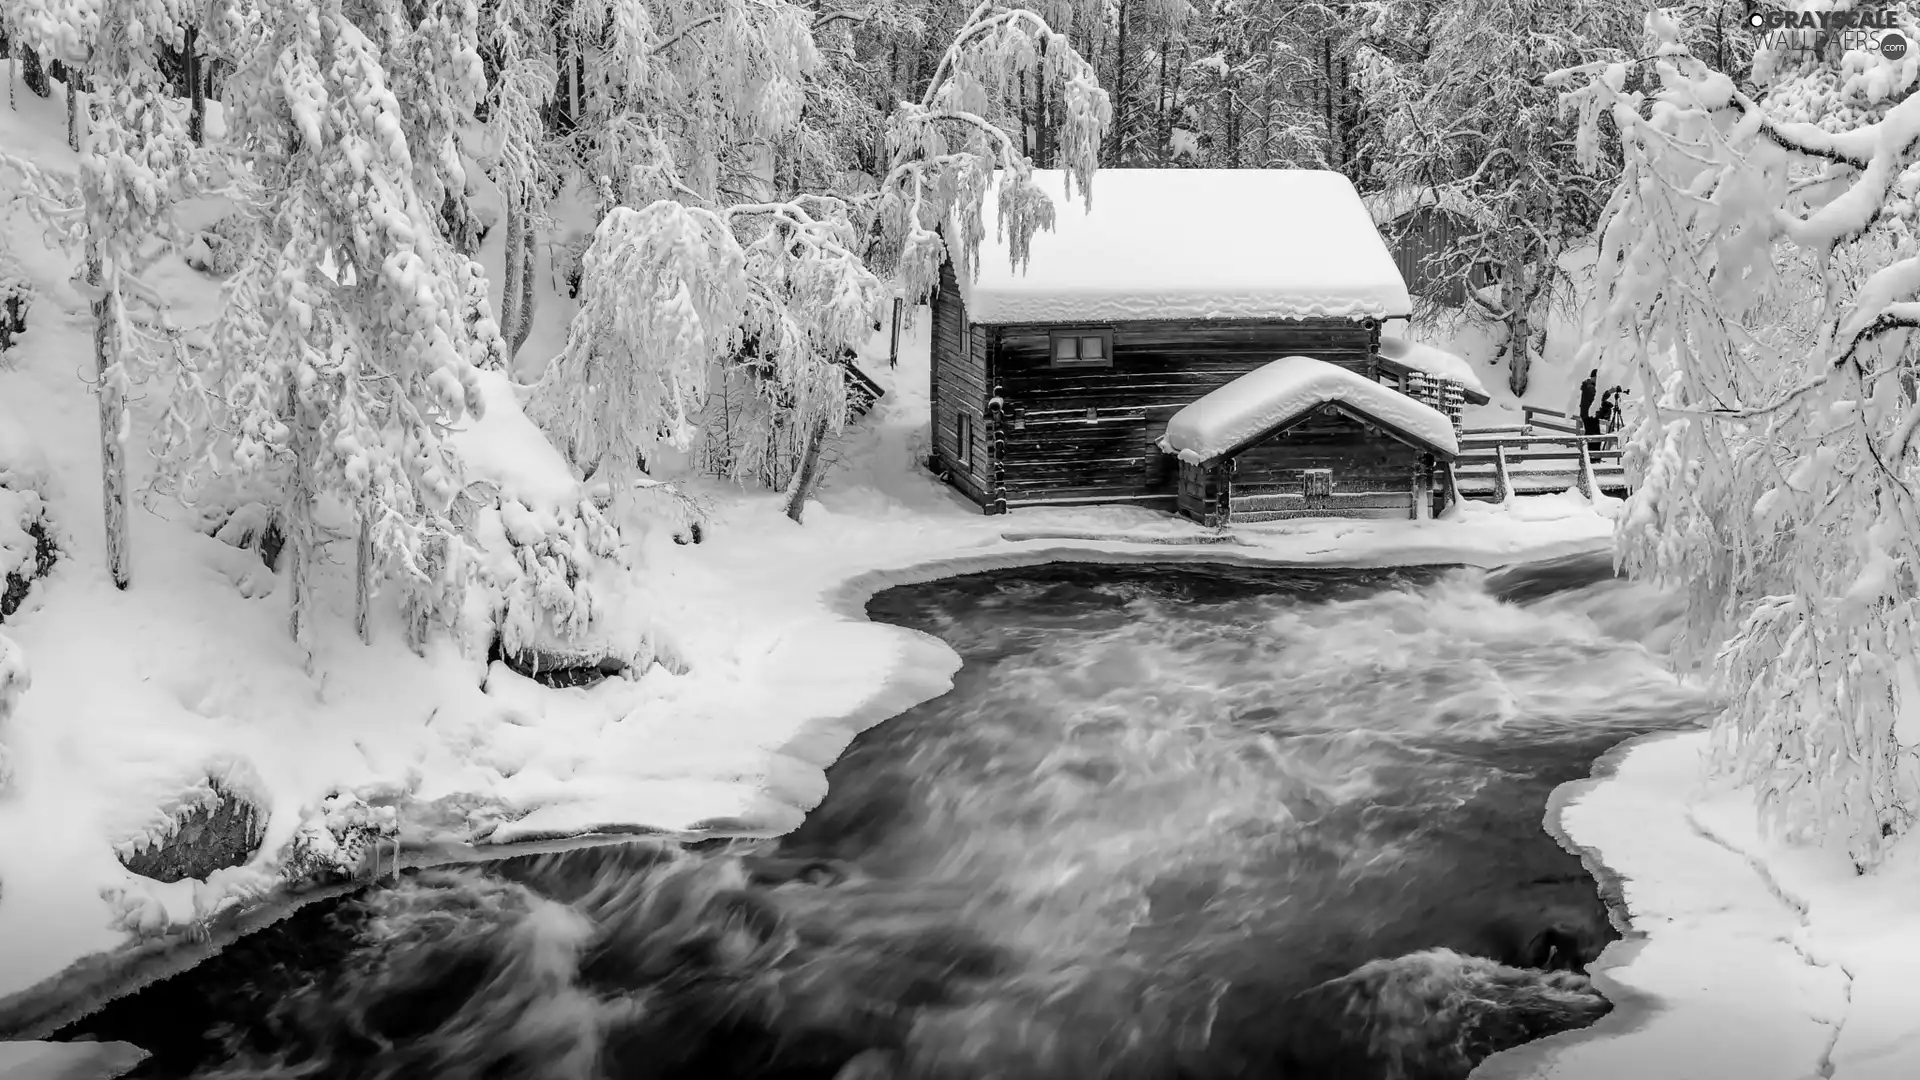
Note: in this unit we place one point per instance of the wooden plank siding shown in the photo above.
(1052, 452)
(959, 387)
(1369, 474)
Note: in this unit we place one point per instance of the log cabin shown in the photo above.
(1053, 383)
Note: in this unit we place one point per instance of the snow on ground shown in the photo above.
(1273, 394)
(1748, 961)
(1191, 244)
(67, 1061)
(1752, 959)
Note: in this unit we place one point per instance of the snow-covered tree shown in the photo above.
(950, 145)
(1461, 106)
(706, 281)
(136, 162)
(1759, 281)
(349, 337)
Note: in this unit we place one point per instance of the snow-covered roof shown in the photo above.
(1395, 203)
(1431, 361)
(1278, 393)
(1192, 244)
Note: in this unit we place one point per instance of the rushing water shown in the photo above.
(1171, 823)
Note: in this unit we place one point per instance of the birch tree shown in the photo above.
(1759, 281)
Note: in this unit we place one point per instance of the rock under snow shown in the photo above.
(1287, 389)
(1192, 244)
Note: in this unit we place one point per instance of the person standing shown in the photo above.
(1589, 419)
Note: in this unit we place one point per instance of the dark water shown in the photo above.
(1171, 823)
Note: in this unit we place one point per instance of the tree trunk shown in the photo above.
(806, 476)
(73, 110)
(1123, 108)
(34, 74)
(197, 88)
(510, 307)
(1043, 138)
(110, 388)
(528, 276)
(1517, 297)
(363, 578)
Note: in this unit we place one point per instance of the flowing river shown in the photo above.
(1172, 822)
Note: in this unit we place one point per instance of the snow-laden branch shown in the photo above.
(1769, 334)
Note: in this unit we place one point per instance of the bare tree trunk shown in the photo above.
(197, 88)
(363, 578)
(512, 299)
(1123, 104)
(110, 390)
(528, 276)
(73, 110)
(1518, 298)
(1043, 142)
(807, 475)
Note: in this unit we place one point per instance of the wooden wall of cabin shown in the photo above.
(959, 388)
(1371, 472)
(1054, 453)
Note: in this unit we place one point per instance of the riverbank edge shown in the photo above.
(1633, 1010)
(94, 981)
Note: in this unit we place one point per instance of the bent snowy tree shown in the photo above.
(1757, 281)
(683, 273)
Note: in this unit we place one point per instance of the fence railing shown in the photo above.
(1536, 459)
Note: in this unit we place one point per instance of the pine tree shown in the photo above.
(348, 342)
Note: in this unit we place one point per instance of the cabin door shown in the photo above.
(1317, 486)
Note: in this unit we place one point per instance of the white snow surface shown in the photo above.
(1191, 244)
(1755, 959)
(68, 1060)
(1431, 361)
(1284, 390)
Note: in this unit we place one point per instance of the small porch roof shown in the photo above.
(1277, 395)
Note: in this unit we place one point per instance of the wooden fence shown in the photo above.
(1545, 455)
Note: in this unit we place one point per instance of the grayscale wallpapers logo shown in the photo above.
(1865, 30)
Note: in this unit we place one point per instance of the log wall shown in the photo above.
(1088, 434)
(959, 387)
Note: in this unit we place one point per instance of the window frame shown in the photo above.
(1104, 333)
(963, 438)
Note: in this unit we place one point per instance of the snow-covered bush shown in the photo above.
(14, 682)
(27, 549)
(340, 836)
(16, 297)
(1759, 280)
(221, 247)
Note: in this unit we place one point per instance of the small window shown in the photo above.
(1082, 348)
(963, 439)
